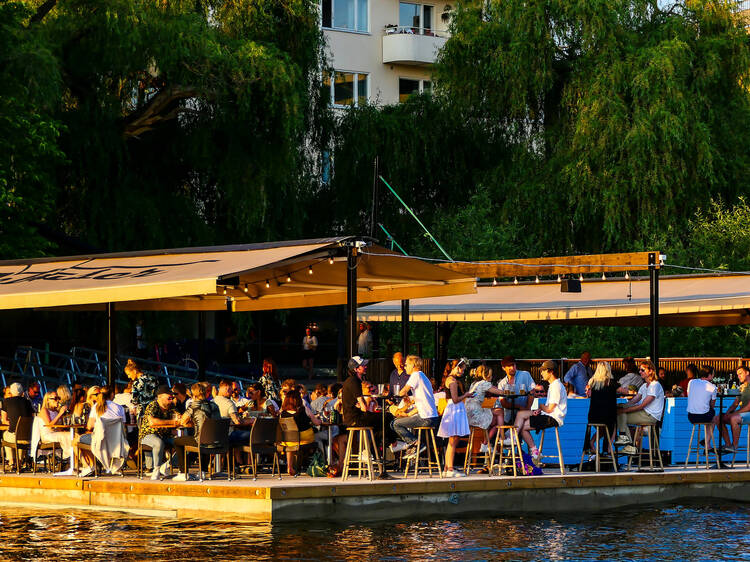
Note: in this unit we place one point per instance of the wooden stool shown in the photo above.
(426, 436)
(747, 448)
(559, 449)
(472, 459)
(514, 450)
(705, 426)
(613, 459)
(362, 460)
(653, 441)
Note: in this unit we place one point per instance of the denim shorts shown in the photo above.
(745, 418)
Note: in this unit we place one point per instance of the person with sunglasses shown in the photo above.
(101, 407)
(160, 417)
(646, 407)
(51, 412)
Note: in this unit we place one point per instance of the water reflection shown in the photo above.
(658, 532)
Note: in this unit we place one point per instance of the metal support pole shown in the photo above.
(653, 284)
(111, 344)
(202, 345)
(405, 327)
(351, 301)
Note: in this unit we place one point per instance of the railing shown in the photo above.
(409, 30)
(742, 5)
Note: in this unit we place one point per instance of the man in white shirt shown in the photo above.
(551, 414)
(227, 409)
(364, 341)
(309, 347)
(701, 400)
(646, 407)
(427, 415)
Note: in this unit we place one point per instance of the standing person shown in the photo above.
(455, 423)
(424, 399)
(602, 390)
(631, 378)
(270, 380)
(701, 399)
(309, 347)
(739, 412)
(646, 407)
(364, 341)
(399, 376)
(14, 407)
(199, 410)
(550, 414)
(579, 374)
(144, 386)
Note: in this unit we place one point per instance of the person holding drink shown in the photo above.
(515, 382)
(455, 423)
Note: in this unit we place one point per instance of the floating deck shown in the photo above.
(316, 499)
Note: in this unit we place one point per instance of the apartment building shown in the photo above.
(381, 50)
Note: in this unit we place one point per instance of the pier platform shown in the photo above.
(324, 499)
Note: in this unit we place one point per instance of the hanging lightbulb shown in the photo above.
(494, 282)
(604, 277)
(245, 289)
(580, 277)
(330, 260)
(309, 270)
(536, 280)
(225, 291)
(559, 279)
(627, 275)
(515, 280)
(288, 278)
(268, 285)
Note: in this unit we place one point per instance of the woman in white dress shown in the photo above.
(478, 416)
(454, 424)
(50, 413)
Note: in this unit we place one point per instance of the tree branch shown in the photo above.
(158, 109)
(42, 11)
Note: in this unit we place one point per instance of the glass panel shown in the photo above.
(406, 88)
(408, 16)
(343, 89)
(343, 14)
(362, 15)
(362, 89)
(427, 87)
(326, 13)
(427, 18)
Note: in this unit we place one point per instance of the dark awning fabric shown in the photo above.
(683, 301)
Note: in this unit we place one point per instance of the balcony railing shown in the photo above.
(412, 45)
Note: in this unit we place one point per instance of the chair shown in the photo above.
(288, 432)
(23, 441)
(653, 444)
(87, 447)
(472, 458)
(747, 448)
(708, 429)
(426, 436)
(142, 449)
(514, 450)
(47, 446)
(263, 441)
(559, 448)
(597, 452)
(214, 440)
(366, 451)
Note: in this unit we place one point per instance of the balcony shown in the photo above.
(411, 45)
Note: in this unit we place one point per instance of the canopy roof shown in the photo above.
(240, 277)
(683, 301)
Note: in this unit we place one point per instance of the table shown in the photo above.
(512, 396)
(330, 427)
(383, 473)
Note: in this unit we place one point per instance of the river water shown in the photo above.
(662, 532)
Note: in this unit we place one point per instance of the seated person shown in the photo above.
(514, 382)
(318, 397)
(293, 407)
(15, 406)
(51, 413)
(368, 390)
(199, 410)
(632, 381)
(739, 412)
(646, 407)
(602, 391)
(427, 415)
(240, 401)
(103, 408)
(160, 417)
(551, 414)
(260, 404)
(241, 431)
(691, 372)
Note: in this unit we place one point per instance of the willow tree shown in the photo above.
(184, 122)
(634, 113)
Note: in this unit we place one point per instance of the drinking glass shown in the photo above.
(396, 388)
(381, 389)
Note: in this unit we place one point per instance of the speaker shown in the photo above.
(570, 286)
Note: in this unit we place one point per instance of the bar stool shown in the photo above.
(514, 452)
(472, 459)
(613, 459)
(426, 436)
(559, 449)
(697, 450)
(653, 442)
(747, 448)
(362, 460)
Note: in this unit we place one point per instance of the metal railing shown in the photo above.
(409, 30)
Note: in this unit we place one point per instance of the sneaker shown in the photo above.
(181, 477)
(86, 472)
(398, 446)
(164, 468)
(592, 458)
(453, 473)
(483, 448)
(155, 474)
(507, 442)
(535, 455)
(622, 440)
(629, 450)
(728, 449)
(412, 453)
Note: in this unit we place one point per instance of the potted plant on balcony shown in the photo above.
(447, 13)
(390, 28)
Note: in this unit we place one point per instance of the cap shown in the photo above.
(357, 361)
(507, 361)
(163, 389)
(549, 366)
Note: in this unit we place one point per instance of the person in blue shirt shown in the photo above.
(399, 376)
(580, 373)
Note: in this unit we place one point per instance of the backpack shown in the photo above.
(527, 467)
(318, 466)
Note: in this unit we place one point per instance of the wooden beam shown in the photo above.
(529, 267)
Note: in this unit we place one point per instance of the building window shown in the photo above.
(347, 88)
(351, 15)
(410, 86)
(415, 18)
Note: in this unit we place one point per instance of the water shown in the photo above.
(677, 532)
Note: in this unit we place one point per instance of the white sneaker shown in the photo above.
(164, 468)
(454, 474)
(412, 453)
(629, 450)
(155, 474)
(483, 448)
(535, 456)
(398, 446)
(86, 472)
(507, 442)
(181, 477)
(622, 440)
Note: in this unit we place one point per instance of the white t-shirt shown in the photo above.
(226, 406)
(113, 411)
(309, 343)
(124, 399)
(656, 407)
(559, 396)
(700, 394)
(421, 389)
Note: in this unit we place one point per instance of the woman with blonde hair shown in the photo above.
(51, 413)
(101, 407)
(602, 390)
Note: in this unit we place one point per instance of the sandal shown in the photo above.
(334, 472)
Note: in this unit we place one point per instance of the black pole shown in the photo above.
(111, 344)
(202, 345)
(653, 284)
(351, 301)
(405, 327)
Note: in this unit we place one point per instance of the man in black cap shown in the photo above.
(160, 417)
